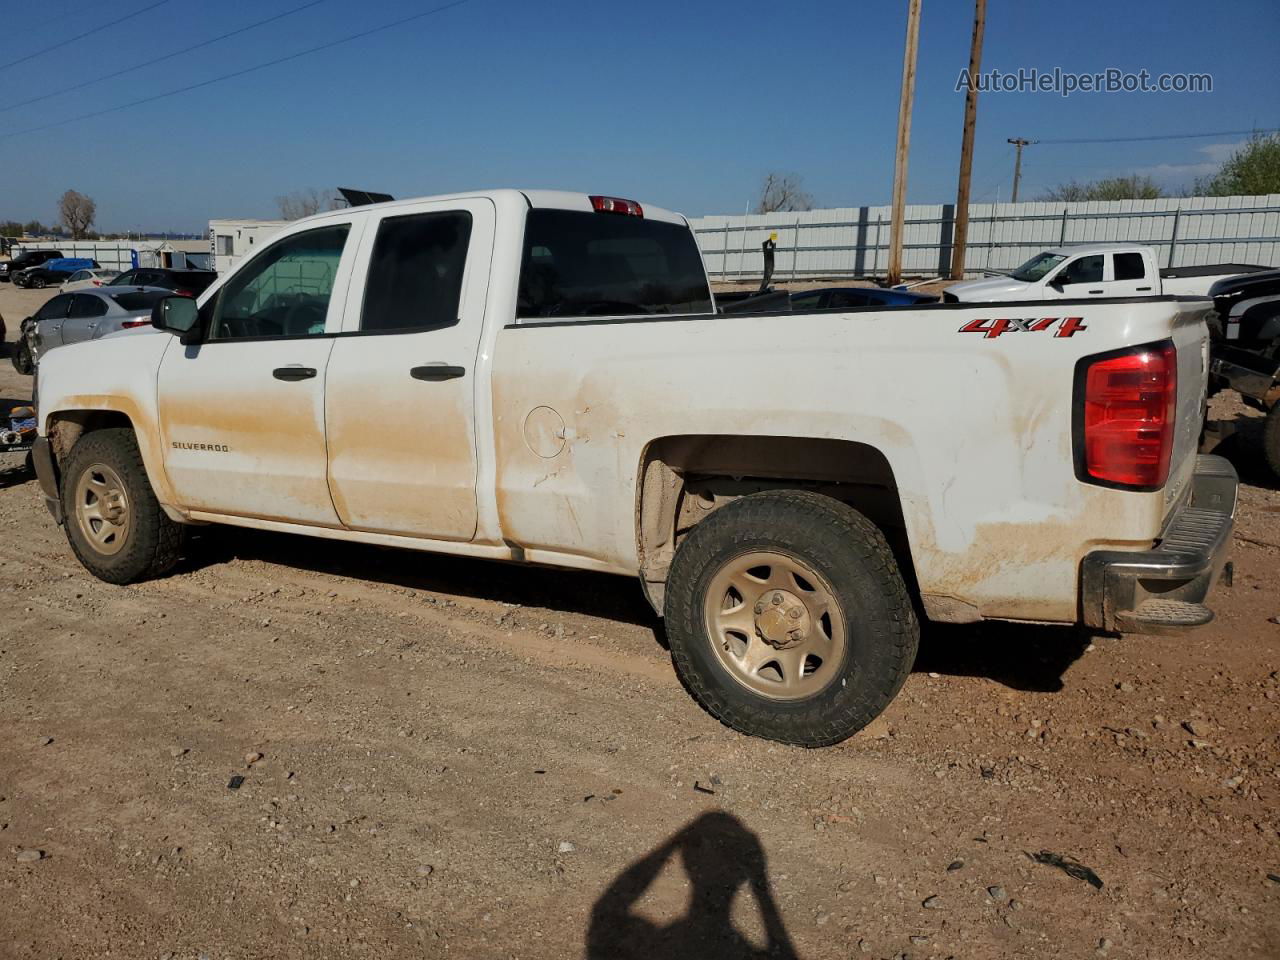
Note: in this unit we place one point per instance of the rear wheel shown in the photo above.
(1271, 440)
(788, 618)
(113, 521)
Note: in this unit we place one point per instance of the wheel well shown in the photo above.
(66, 427)
(685, 478)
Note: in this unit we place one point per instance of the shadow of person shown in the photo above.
(720, 856)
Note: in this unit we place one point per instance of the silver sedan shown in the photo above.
(87, 315)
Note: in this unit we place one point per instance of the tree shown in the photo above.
(1252, 170)
(1133, 187)
(303, 203)
(76, 211)
(781, 192)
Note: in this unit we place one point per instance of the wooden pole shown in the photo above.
(894, 273)
(961, 235)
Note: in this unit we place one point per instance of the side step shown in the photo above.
(1164, 616)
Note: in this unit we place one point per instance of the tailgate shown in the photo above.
(1191, 338)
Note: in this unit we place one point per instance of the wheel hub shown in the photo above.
(782, 619)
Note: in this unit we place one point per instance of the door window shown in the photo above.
(282, 292)
(1084, 270)
(82, 308)
(78, 275)
(55, 309)
(415, 273)
(1129, 266)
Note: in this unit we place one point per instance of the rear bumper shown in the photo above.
(47, 474)
(1162, 589)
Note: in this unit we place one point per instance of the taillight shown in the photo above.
(184, 293)
(97, 283)
(616, 205)
(129, 324)
(1125, 417)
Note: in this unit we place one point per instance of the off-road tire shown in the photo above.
(882, 633)
(1271, 440)
(153, 542)
(21, 358)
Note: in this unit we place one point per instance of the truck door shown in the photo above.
(1129, 275)
(1081, 277)
(242, 412)
(400, 396)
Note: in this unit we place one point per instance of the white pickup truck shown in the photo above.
(1090, 270)
(542, 377)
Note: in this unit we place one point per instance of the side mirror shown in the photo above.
(179, 316)
(1057, 283)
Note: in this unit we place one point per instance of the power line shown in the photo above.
(81, 36)
(1166, 136)
(167, 56)
(239, 73)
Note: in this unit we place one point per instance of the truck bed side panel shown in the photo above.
(976, 428)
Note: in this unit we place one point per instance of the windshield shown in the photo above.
(1037, 267)
(602, 264)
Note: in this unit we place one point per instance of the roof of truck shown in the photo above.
(1076, 249)
(552, 199)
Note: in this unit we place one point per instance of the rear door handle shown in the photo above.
(293, 373)
(1095, 291)
(437, 371)
(1143, 288)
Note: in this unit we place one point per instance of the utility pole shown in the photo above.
(1019, 143)
(961, 235)
(894, 273)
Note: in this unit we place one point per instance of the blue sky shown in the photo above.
(684, 104)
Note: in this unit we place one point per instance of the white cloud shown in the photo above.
(1180, 174)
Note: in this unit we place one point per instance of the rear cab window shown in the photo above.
(590, 264)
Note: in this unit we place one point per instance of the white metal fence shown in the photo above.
(854, 241)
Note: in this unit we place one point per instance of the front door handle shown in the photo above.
(293, 373)
(1143, 288)
(1096, 291)
(437, 371)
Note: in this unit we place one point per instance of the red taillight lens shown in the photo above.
(97, 283)
(184, 293)
(616, 205)
(128, 324)
(1128, 416)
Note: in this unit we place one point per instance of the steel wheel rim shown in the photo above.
(102, 509)
(775, 625)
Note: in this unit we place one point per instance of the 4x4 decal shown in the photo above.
(990, 329)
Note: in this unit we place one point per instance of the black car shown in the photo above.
(31, 258)
(185, 283)
(1245, 351)
(51, 275)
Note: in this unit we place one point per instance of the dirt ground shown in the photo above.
(462, 759)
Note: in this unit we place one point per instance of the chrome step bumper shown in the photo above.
(1163, 589)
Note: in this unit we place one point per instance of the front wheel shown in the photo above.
(37, 282)
(789, 619)
(21, 359)
(114, 523)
